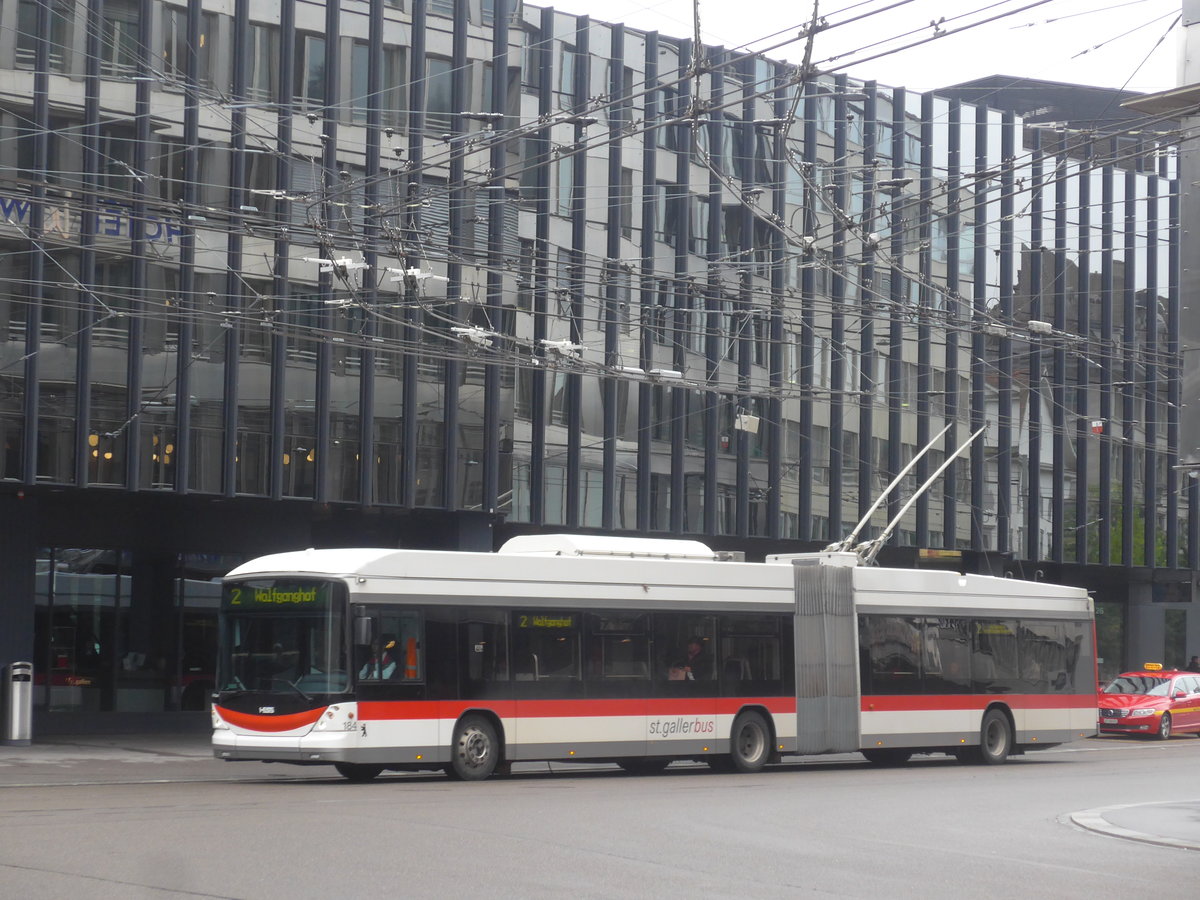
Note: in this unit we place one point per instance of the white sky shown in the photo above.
(1113, 36)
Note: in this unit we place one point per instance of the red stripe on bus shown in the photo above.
(254, 722)
(911, 703)
(659, 706)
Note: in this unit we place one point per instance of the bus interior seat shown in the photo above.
(736, 669)
(983, 667)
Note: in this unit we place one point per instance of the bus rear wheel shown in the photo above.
(358, 772)
(475, 751)
(749, 742)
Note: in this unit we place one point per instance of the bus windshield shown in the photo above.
(283, 636)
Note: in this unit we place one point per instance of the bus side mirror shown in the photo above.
(363, 630)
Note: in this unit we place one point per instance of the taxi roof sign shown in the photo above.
(1153, 667)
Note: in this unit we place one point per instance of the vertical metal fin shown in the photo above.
(826, 660)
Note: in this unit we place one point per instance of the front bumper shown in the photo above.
(1130, 724)
(332, 747)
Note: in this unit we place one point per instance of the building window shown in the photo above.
(667, 200)
(438, 92)
(262, 63)
(119, 43)
(761, 338)
(59, 37)
(531, 75)
(565, 182)
(309, 82)
(699, 230)
(567, 61)
(175, 45)
(731, 229)
(116, 145)
(625, 200)
(394, 102)
(391, 100)
(360, 99)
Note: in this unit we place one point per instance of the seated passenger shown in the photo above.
(698, 663)
(381, 663)
(693, 665)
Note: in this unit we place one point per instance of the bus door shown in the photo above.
(617, 670)
(485, 679)
(391, 679)
(550, 720)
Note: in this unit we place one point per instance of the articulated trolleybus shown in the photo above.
(639, 652)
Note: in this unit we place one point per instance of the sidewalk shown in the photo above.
(1170, 824)
(122, 759)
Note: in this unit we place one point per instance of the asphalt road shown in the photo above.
(181, 825)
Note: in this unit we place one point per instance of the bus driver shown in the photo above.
(381, 663)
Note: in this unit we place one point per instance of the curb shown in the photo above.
(1093, 820)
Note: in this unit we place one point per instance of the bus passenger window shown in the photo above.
(684, 649)
(892, 649)
(946, 653)
(750, 658)
(994, 666)
(545, 646)
(1042, 649)
(617, 646)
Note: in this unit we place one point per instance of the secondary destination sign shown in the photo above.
(545, 620)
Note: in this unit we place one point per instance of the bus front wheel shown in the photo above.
(475, 751)
(749, 742)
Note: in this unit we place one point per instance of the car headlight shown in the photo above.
(1143, 712)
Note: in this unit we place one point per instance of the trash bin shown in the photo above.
(17, 702)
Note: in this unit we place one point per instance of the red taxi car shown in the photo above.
(1153, 701)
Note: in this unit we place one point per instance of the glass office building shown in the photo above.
(433, 272)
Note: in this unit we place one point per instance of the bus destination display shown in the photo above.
(277, 595)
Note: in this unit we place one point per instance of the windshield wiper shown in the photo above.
(292, 685)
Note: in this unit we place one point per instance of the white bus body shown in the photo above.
(935, 623)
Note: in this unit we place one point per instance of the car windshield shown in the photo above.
(1150, 685)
